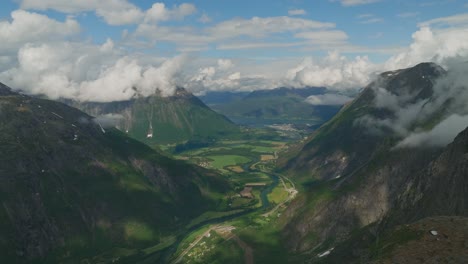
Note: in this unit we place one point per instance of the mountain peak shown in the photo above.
(5, 90)
(425, 68)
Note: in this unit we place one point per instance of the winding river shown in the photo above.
(170, 251)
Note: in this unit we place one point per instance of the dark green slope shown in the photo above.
(70, 189)
(276, 106)
(352, 178)
(170, 120)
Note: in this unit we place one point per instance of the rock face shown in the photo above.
(440, 188)
(354, 179)
(71, 189)
(164, 120)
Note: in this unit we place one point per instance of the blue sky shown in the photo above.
(220, 44)
(379, 25)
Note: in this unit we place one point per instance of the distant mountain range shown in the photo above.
(275, 106)
(72, 189)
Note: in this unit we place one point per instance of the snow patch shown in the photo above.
(326, 253)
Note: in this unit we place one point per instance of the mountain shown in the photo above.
(159, 120)
(356, 180)
(275, 106)
(74, 191)
(221, 97)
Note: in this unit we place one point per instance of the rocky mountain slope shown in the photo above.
(354, 177)
(164, 120)
(71, 189)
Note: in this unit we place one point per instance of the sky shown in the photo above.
(108, 50)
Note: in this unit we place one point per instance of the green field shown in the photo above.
(278, 195)
(221, 161)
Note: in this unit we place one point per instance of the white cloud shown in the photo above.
(429, 45)
(335, 71)
(114, 12)
(225, 64)
(330, 36)
(356, 2)
(90, 73)
(254, 30)
(258, 26)
(440, 136)
(296, 12)
(455, 20)
(159, 12)
(328, 99)
(31, 27)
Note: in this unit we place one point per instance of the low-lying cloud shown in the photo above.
(440, 136)
(108, 120)
(328, 99)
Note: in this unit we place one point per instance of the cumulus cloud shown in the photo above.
(334, 72)
(27, 27)
(328, 99)
(89, 73)
(159, 12)
(114, 12)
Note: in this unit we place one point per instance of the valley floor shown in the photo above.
(259, 198)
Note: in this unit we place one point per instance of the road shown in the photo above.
(292, 192)
(194, 243)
